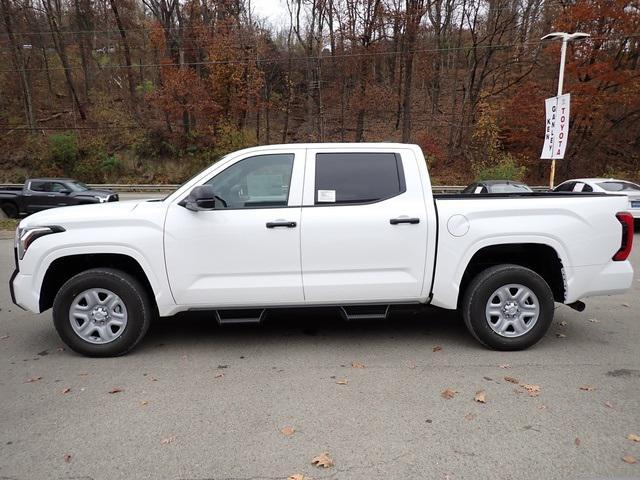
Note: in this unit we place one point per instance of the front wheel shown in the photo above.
(508, 307)
(102, 312)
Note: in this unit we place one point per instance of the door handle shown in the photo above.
(396, 221)
(281, 223)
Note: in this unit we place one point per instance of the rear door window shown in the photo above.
(38, 186)
(353, 178)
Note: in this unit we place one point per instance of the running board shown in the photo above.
(240, 316)
(364, 312)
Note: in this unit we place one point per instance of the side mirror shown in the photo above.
(201, 197)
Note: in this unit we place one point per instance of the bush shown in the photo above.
(63, 151)
(507, 168)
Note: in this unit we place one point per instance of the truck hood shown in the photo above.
(82, 213)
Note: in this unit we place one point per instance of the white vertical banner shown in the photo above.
(556, 131)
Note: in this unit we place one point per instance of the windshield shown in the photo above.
(509, 188)
(619, 186)
(77, 186)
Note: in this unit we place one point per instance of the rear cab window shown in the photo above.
(353, 178)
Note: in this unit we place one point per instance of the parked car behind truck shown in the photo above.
(354, 226)
(43, 193)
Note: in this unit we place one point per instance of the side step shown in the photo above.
(243, 316)
(364, 312)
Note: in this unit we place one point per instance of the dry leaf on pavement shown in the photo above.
(469, 416)
(144, 403)
(448, 394)
(593, 320)
(344, 381)
(608, 404)
(587, 388)
(322, 460)
(4, 337)
(34, 379)
(561, 335)
(297, 476)
(629, 459)
(67, 457)
(512, 380)
(626, 305)
(633, 437)
(116, 390)
(577, 442)
(219, 375)
(357, 365)
(563, 323)
(533, 390)
(504, 365)
(480, 397)
(287, 431)
(66, 390)
(168, 440)
(437, 348)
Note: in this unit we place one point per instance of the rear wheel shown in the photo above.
(102, 312)
(508, 307)
(10, 209)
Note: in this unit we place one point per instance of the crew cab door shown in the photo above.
(364, 228)
(246, 253)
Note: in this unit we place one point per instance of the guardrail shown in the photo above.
(145, 187)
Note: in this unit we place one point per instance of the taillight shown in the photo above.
(626, 219)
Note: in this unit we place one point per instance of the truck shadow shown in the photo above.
(310, 325)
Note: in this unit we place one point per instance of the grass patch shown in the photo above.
(8, 223)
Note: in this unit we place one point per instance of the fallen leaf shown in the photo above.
(287, 431)
(608, 404)
(469, 416)
(448, 394)
(563, 323)
(504, 365)
(533, 390)
(512, 380)
(587, 388)
(4, 337)
(34, 379)
(168, 440)
(218, 375)
(344, 381)
(437, 348)
(322, 460)
(561, 335)
(488, 379)
(633, 437)
(66, 390)
(542, 407)
(67, 458)
(630, 459)
(480, 397)
(297, 476)
(593, 320)
(60, 349)
(144, 403)
(626, 305)
(116, 390)
(577, 442)
(357, 365)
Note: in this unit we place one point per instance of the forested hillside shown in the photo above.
(153, 90)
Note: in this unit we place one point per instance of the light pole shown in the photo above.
(565, 37)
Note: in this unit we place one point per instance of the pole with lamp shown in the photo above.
(566, 38)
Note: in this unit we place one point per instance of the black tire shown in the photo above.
(10, 209)
(478, 293)
(131, 292)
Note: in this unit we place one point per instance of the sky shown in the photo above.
(274, 11)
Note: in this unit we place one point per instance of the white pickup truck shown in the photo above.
(355, 226)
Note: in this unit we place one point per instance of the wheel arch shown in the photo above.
(542, 258)
(65, 267)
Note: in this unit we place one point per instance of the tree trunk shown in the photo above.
(127, 52)
(19, 64)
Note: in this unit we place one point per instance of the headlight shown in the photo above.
(27, 235)
(102, 199)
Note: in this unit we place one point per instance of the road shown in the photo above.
(202, 402)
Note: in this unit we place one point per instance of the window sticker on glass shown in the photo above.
(478, 189)
(326, 196)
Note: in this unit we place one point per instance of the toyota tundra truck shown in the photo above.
(354, 226)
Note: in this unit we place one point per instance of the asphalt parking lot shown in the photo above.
(195, 401)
